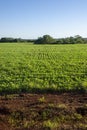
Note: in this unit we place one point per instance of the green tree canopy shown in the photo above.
(46, 39)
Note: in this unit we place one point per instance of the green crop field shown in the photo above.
(42, 68)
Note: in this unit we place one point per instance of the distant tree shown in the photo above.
(39, 41)
(77, 36)
(60, 41)
(79, 39)
(66, 41)
(72, 40)
(46, 39)
(7, 39)
(85, 40)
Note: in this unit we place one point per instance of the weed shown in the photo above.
(42, 100)
(61, 106)
(50, 124)
(77, 116)
(51, 105)
(28, 124)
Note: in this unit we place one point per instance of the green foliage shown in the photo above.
(14, 40)
(42, 100)
(48, 68)
(46, 39)
(84, 86)
(50, 125)
(72, 40)
(61, 106)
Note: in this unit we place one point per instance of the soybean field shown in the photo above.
(42, 68)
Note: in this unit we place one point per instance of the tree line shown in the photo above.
(47, 39)
(16, 40)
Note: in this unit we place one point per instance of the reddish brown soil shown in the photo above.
(65, 111)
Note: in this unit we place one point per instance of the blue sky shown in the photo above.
(34, 18)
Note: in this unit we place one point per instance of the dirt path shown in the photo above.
(65, 111)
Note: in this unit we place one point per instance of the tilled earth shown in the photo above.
(67, 111)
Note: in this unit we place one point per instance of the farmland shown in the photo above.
(43, 87)
(42, 68)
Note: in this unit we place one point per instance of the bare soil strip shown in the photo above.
(67, 111)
